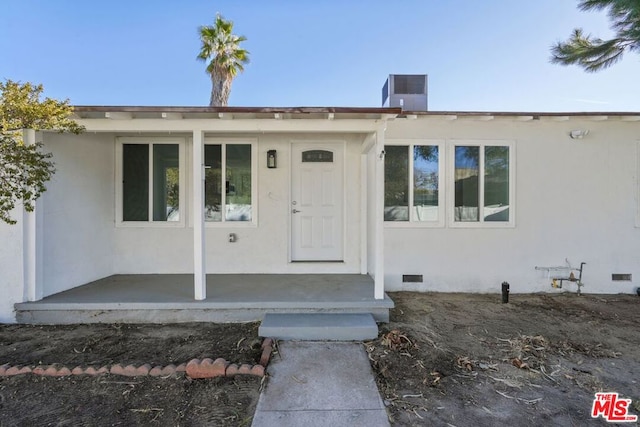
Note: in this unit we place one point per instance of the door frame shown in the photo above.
(338, 145)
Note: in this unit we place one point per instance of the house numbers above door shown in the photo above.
(317, 156)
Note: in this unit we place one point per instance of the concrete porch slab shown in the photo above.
(166, 298)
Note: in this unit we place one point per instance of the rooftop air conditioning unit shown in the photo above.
(406, 91)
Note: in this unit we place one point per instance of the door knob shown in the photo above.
(295, 211)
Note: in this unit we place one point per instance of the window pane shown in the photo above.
(396, 183)
(135, 182)
(467, 172)
(166, 183)
(425, 182)
(496, 184)
(213, 183)
(238, 183)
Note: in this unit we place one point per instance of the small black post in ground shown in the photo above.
(505, 292)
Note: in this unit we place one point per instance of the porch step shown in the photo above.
(319, 326)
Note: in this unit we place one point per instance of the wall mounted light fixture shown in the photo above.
(272, 160)
(578, 133)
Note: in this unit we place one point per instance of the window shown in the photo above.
(229, 186)
(482, 183)
(152, 180)
(412, 183)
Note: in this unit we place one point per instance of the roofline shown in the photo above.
(354, 110)
(187, 109)
(522, 113)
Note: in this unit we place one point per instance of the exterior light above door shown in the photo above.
(271, 159)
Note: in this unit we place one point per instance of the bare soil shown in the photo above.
(444, 359)
(461, 359)
(109, 400)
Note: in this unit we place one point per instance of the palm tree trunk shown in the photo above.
(220, 87)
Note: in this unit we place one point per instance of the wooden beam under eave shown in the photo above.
(172, 116)
(225, 116)
(118, 115)
(331, 116)
(239, 125)
(524, 118)
(598, 118)
(483, 118)
(559, 118)
(630, 118)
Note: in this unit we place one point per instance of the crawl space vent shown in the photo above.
(617, 277)
(412, 278)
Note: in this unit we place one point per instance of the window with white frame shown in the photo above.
(412, 184)
(229, 182)
(151, 173)
(483, 184)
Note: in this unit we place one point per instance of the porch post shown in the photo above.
(199, 266)
(363, 214)
(32, 242)
(379, 214)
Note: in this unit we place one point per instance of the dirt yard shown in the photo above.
(111, 400)
(444, 359)
(461, 359)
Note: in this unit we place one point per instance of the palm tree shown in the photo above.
(222, 49)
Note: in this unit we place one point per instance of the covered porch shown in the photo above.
(165, 298)
(141, 222)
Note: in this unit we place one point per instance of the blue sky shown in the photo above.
(489, 55)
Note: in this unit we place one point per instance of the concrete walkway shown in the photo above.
(320, 384)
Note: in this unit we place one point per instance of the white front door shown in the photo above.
(317, 195)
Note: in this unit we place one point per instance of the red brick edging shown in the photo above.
(195, 368)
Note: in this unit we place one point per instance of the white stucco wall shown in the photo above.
(11, 267)
(576, 199)
(78, 209)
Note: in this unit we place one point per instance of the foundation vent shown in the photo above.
(412, 278)
(618, 277)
